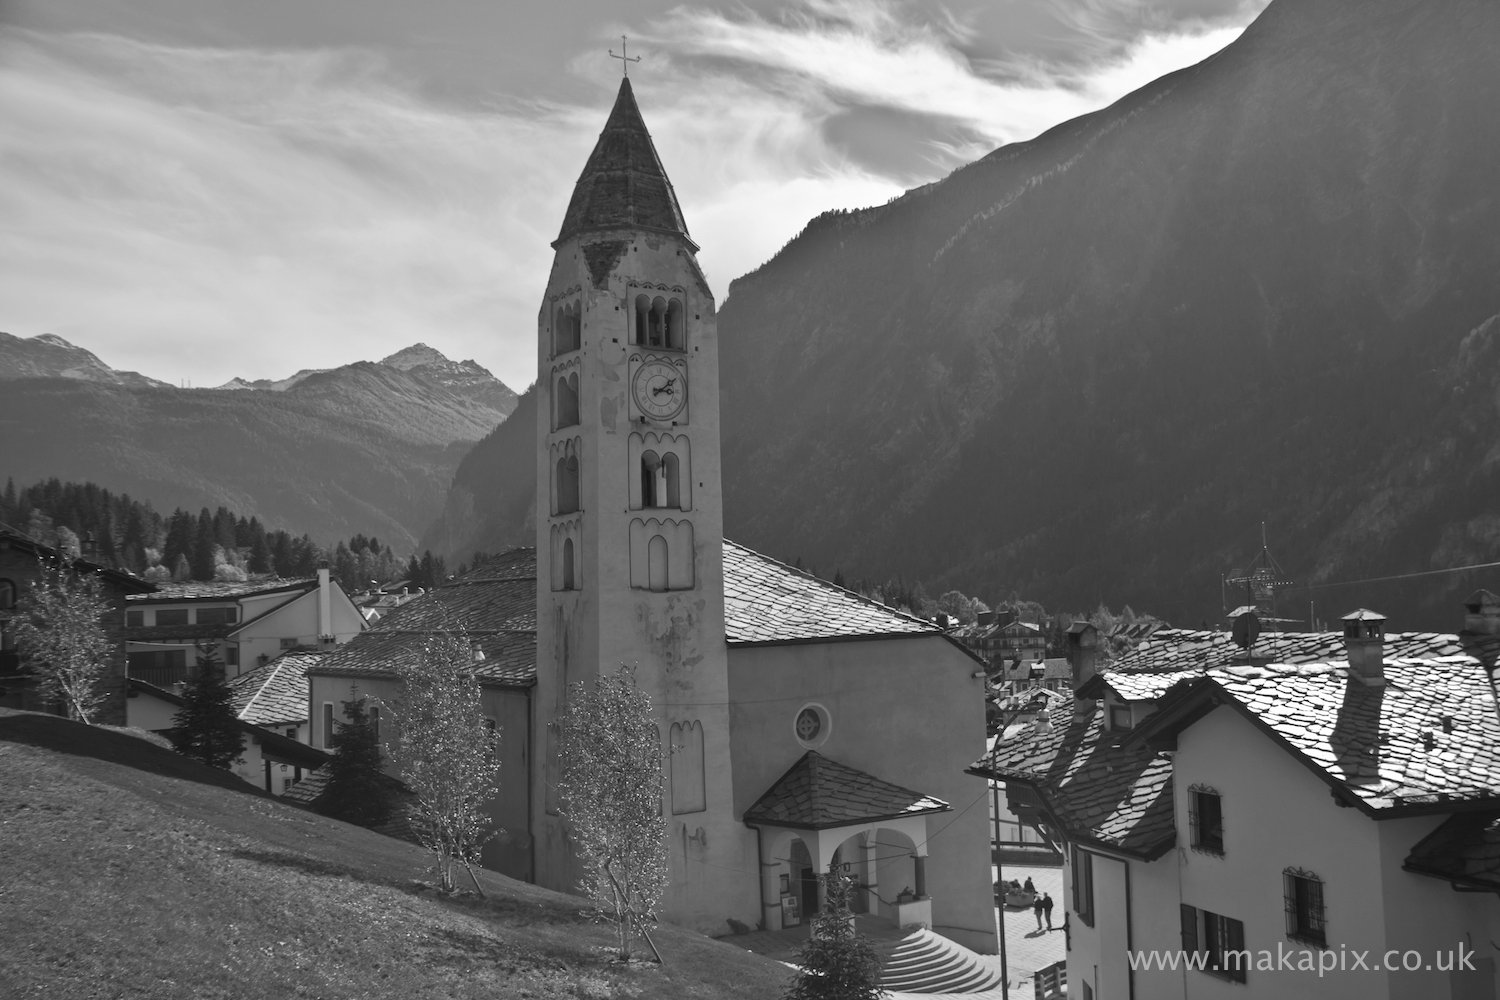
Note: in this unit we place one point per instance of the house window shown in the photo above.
(171, 616)
(1119, 716)
(218, 616)
(134, 619)
(1304, 907)
(289, 643)
(1219, 940)
(327, 724)
(291, 732)
(1083, 885)
(8, 595)
(1206, 819)
(231, 656)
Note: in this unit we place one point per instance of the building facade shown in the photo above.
(1272, 810)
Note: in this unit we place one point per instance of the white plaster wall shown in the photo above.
(905, 710)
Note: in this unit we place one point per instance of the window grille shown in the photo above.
(1305, 916)
(1206, 820)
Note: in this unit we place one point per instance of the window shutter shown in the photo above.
(1235, 942)
(1189, 929)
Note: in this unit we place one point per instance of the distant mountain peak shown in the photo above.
(49, 356)
(415, 355)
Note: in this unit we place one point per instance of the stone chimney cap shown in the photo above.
(1364, 615)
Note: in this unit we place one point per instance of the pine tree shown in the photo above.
(202, 557)
(9, 507)
(206, 728)
(355, 792)
(836, 962)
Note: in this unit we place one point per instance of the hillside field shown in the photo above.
(132, 872)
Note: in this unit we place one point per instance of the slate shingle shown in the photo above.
(275, 693)
(817, 793)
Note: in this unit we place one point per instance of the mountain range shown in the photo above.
(1264, 289)
(367, 448)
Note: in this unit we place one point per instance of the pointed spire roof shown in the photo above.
(623, 184)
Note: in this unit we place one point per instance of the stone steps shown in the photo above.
(928, 963)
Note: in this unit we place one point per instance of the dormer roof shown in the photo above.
(623, 185)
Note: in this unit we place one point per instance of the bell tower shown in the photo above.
(629, 512)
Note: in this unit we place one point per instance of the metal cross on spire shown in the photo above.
(625, 61)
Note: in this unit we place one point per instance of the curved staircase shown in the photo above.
(924, 963)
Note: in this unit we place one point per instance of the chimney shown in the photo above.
(1482, 614)
(1083, 647)
(325, 607)
(1364, 642)
(986, 619)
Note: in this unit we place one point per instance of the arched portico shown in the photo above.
(826, 805)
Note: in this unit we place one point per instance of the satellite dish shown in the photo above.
(1246, 627)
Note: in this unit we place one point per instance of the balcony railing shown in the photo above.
(162, 677)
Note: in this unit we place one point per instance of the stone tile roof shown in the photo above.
(275, 693)
(623, 184)
(1464, 849)
(817, 793)
(215, 590)
(767, 601)
(494, 604)
(1094, 788)
(1430, 735)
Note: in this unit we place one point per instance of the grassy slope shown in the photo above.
(132, 872)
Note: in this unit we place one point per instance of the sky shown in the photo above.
(204, 189)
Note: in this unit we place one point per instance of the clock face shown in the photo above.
(660, 389)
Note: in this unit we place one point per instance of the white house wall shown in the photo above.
(296, 620)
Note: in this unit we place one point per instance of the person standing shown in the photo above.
(1036, 908)
(1047, 908)
(1029, 886)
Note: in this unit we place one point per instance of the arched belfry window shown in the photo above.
(674, 325)
(656, 561)
(642, 319)
(567, 400)
(567, 484)
(673, 498)
(569, 581)
(567, 329)
(650, 479)
(661, 484)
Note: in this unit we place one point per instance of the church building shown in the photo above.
(806, 723)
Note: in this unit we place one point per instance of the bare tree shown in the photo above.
(60, 634)
(610, 789)
(448, 753)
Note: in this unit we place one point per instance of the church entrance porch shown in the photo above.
(821, 812)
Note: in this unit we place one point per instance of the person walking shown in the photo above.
(1037, 909)
(1047, 908)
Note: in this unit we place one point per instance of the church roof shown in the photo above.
(623, 184)
(817, 793)
(494, 605)
(766, 601)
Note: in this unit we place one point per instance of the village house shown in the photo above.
(20, 566)
(247, 625)
(1320, 793)
(807, 724)
(273, 755)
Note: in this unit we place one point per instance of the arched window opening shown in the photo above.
(657, 323)
(575, 327)
(674, 325)
(567, 559)
(642, 318)
(673, 487)
(559, 324)
(567, 400)
(651, 487)
(656, 563)
(567, 484)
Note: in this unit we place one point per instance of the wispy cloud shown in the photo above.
(204, 212)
